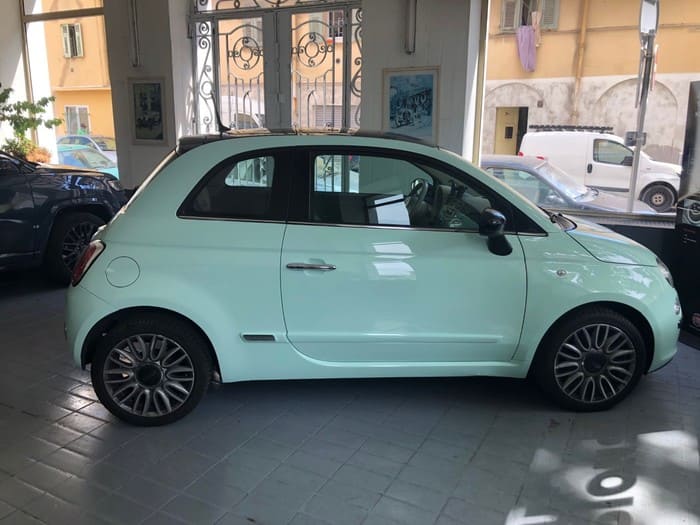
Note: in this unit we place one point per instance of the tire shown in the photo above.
(151, 370)
(660, 197)
(576, 370)
(70, 235)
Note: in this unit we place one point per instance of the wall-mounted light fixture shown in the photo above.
(410, 43)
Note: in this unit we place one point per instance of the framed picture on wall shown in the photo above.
(147, 115)
(410, 102)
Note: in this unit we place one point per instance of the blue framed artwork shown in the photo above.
(410, 102)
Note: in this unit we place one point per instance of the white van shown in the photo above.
(603, 161)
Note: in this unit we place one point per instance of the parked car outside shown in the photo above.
(426, 267)
(49, 213)
(601, 160)
(550, 187)
(86, 157)
(105, 145)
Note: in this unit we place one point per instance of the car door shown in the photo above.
(610, 166)
(388, 265)
(16, 212)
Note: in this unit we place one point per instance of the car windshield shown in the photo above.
(105, 143)
(86, 158)
(562, 181)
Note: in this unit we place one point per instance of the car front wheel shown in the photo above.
(591, 361)
(660, 197)
(151, 370)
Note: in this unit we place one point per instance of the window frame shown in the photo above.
(72, 42)
(511, 25)
(517, 222)
(76, 108)
(280, 188)
(595, 152)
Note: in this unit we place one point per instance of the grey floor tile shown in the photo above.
(20, 518)
(50, 509)
(43, 476)
(387, 450)
(312, 463)
(114, 507)
(193, 510)
(376, 464)
(305, 519)
(352, 475)
(18, 493)
(146, 492)
(79, 491)
(6, 509)
(403, 512)
(351, 494)
(421, 497)
(334, 510)
(216, 493)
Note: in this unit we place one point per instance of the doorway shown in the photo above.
(296, 67)
(511, 126)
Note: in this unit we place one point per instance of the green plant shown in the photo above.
(23, 116)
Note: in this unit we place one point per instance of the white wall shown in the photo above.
(136, 161)
(442, 39)
(182, 67)
(11, 61)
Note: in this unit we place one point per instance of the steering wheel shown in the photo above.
(419, 189)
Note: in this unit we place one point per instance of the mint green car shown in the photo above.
(290, 255)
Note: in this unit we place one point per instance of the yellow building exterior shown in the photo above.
(76, 53)
(586, 71)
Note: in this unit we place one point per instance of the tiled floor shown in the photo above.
(475, 451)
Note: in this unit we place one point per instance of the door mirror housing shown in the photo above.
(627, 161)
(553, 199)
(492, 225)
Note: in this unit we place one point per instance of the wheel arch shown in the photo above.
(631, 313)
(103, 326)
(98, 210)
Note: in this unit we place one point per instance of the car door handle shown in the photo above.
(307, 266)
(590, 168)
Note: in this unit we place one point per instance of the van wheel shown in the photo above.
(660, 197)
(151, 370)
(591, 361)
(70, 235)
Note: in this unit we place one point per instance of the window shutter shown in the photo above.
(78, 41)
(510, 15)
(65, 34)
(550, 14)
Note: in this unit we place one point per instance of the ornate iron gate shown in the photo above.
(277, 63)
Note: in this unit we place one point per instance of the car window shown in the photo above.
(70, 159)
(384, 191)
(527, 184)
(240, 188)
(609, 152)
(84, 141)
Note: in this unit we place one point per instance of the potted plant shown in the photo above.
(24, 116)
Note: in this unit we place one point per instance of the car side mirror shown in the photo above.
(553, 199)
(492, 225)
(627, 161)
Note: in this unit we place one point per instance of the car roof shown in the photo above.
(188, 143)
(512, 161)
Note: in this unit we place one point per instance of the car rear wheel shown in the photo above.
(660, 197)
(151, 370)
(70, 235)
(591, 361)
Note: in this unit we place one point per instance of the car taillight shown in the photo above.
(541, 157)
(92, 252)
(521, 154)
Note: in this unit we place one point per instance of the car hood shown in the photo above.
(609, 201)
(62, 168)
(608, 246)
(664, 167)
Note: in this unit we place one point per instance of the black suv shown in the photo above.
(49, 213)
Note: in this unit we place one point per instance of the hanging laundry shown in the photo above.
(536, 21)
(526, 47)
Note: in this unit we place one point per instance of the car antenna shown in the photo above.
(222, 129)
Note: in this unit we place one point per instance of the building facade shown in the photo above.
(585, 71)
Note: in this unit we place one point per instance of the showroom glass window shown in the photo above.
(376, 190)
(238, 189)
